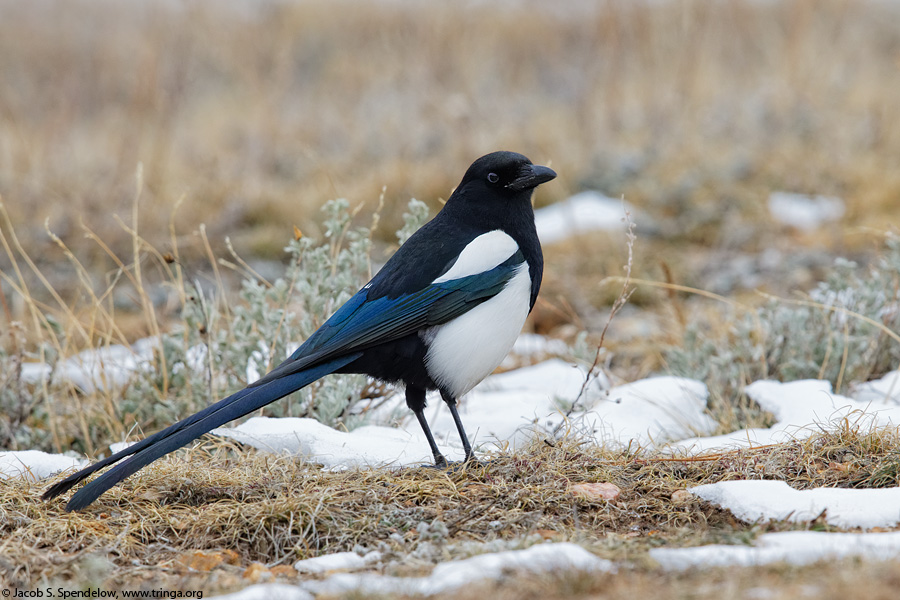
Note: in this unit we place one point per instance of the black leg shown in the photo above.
(451, 403)
(439, 460)
(415, 399)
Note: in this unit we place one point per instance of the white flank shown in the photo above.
(481, 254)
(467, 349)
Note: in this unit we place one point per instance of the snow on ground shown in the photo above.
(510, 406)
(802, 408)
(339, 561)
(582, 213)
(766, 500)
(505, 408)
(107, 367)
(536, 560)
(369, 446)
(792, 547)
(879, 391)
(533, 346)
(35, 464)
(805, 212)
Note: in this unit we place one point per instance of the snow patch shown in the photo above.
(806, 213)
(338, 561)
(582, 213)
(532, 345)
(111, 367)
(801, 408)
(505, 408)
(879, 391)
(792, 547)
(369, 446)
(105, 368)
(766, 500)
(653, 410)
(35, 464)
(542, 558)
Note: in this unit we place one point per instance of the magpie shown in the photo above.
(441, 315)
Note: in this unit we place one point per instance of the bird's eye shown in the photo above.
(493, 177)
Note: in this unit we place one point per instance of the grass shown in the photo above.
(156, 159)
(204, 516)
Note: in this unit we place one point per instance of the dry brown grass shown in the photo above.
(692, 109)
(253, 507)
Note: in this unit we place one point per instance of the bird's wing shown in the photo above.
(362, 323)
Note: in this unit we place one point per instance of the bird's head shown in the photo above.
(507, 174)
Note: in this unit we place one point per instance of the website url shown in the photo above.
(167, 594)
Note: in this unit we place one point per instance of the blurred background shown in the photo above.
(246, 116)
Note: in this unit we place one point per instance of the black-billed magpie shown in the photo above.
(441, 314)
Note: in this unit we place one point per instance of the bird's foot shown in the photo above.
(456, 466)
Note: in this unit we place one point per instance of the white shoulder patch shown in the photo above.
(481, 254)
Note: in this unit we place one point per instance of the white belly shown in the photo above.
(467, 349)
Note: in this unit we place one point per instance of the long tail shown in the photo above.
(183, 432)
